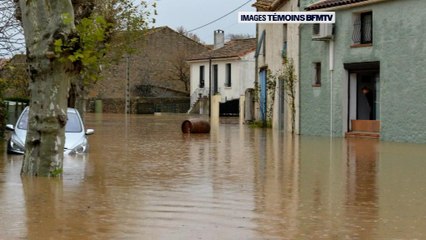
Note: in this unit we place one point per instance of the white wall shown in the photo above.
(242, 76)
(273, 60)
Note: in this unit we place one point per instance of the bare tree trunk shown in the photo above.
(77, 95)
(43, 22)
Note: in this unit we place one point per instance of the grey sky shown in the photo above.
(194, 13)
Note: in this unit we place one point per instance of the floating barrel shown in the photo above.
(195, 126)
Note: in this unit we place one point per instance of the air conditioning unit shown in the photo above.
(322, 31)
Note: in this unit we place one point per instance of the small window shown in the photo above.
(363, 28)
(228, 80)
(316, 29)
(317, 75)
(215, 78)
(201, 83)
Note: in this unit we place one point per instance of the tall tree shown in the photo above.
(45, 22)
(64, 47)
(125, 20)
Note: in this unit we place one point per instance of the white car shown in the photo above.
(75, 134)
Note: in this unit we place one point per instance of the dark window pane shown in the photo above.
(366, 27)
(317, 80)
(201, 85)
(356, 35)
(316, 29)
(228, 75)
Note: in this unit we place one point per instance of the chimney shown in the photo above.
(219, 39)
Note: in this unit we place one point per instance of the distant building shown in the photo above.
(14, 72)
(365, 76)
(154, 78)
(231, 66)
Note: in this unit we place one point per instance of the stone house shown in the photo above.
(277, 44)
(364, 76)
(231, 65)
(155, 77)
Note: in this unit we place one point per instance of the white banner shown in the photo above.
(286, 17)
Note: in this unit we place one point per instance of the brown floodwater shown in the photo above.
(144, 179)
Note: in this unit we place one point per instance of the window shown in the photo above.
(315, 29)
(363, 28)
(215, 79)
(201, 84)
(317, 74)
(73, 122)
(228, 82)
(284, 50)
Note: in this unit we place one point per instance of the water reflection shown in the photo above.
(143, 178)
(362, 200)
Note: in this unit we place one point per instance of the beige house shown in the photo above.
(277, 43)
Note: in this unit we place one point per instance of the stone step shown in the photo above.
(360, 134)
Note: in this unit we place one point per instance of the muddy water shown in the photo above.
(144, 179)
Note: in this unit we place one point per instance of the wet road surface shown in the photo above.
(144, 179)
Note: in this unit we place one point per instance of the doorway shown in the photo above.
(364, 99)
(366, 96)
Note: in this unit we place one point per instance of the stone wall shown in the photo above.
(142, 105)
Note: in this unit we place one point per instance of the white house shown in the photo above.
(229, 68)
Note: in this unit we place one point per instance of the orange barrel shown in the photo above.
(195, 126)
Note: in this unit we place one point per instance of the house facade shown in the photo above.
(366, 76)
(277, 45)
(227, 70)
(155, 73)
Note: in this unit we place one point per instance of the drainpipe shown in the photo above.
(256, 75)
(331, 69)
(210, 85)
(127, 96)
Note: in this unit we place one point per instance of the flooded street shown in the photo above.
(144, 179)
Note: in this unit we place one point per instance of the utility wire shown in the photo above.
(220, 17)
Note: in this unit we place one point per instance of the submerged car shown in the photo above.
(75, 133)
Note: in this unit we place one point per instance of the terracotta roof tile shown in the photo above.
(233, 48)
(268, 5)
(331, 3)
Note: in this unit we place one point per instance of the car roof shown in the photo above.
(68, 109)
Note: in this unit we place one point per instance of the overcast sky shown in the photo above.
(194, 13)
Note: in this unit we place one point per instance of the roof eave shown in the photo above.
(346, 6)
(269, 7)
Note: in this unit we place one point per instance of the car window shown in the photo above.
(73, 122)
(23, 121)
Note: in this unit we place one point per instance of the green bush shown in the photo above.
(261, 124)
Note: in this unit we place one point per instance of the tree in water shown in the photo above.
(44, 22)
(62, 47)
